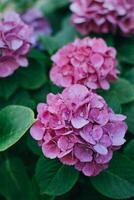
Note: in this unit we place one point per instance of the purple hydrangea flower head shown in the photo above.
(103, 16)
(39, 23)
(87, 61)
(15, 42)
(79, 129)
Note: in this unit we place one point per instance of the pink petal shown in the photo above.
(37, 131)
(16, 44)
(22, 61)
(84, 154)
(69, 159)
(105, 140)
(64, 153)
(76, 8)
(7, 66)
(88, 169)
(97, 132)
(117, 141)
(100, 149)
(64, 143)
(97, 60)
(104, 84)
(99, 46)
(117, 117)
(102, 159)
(50, 150)
(79, 122)
(118, 133)
(75, 93)
(103, 117)
(91, 84)
(79, 166)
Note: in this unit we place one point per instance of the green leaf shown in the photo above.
(3, 103)
(55, 89)
(112, 100)
(40, 94)
(128, 110)
(64, 36)
(49, 6)
(54, 178)
(129, 75)
(37, 55)
(50, 44)
(46, 197)
(67, 33)
(129, 149)
(126, 50)
(124, 90)
(22, 97)
(14, 122)
(33, 146)
(7, 86)
(109, 39)
(117, 182)
(14, 181)
(87, 190)
(32, 77)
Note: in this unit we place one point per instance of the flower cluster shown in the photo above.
(15, 43)
(103, 16)
(87, 61)
(79, 128)
(39, 23)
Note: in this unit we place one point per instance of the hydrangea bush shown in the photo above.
(67, 100)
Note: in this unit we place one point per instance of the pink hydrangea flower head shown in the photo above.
(15, 43)
(87, 61)
(103, 16)
(39, 23)
(79, 129)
